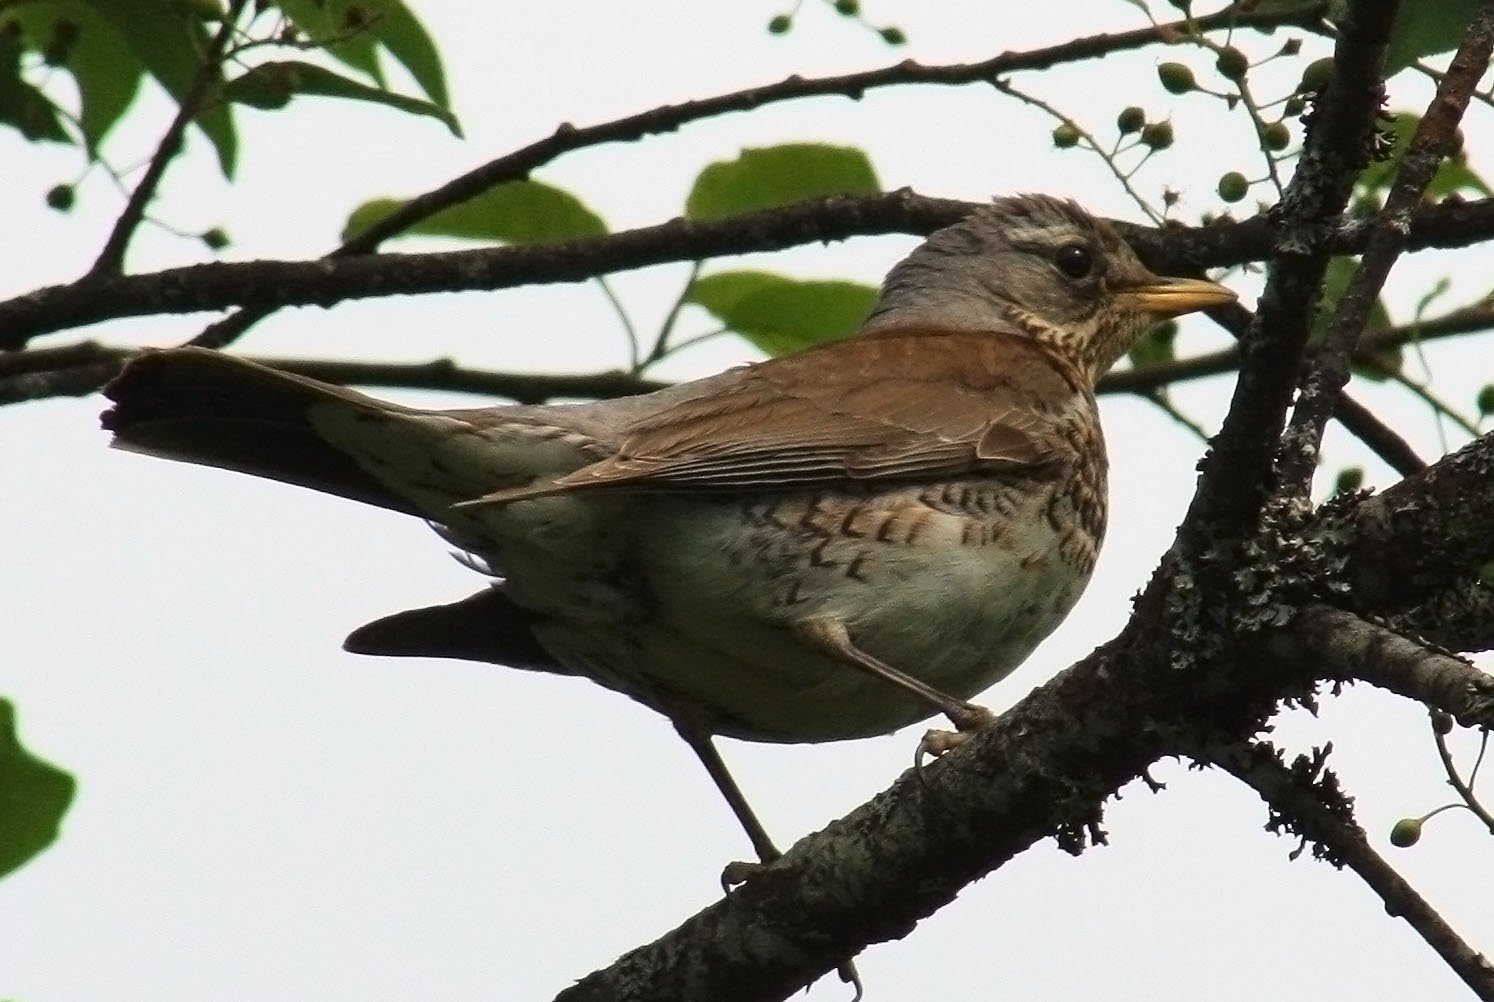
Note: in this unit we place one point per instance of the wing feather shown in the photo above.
(909, 403)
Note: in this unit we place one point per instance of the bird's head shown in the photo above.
(1041, 266)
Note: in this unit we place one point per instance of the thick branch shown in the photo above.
(1043, 768)
(1426, 532)
(327, 281)
(1339, 646)
(667, 118)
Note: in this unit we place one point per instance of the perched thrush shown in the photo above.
(826, 546)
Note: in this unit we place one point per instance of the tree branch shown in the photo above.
(1044, 768)
(324, 282)
(1425, 533)
(1236, 475)
(1301, 807)
(1339, 646)
(1391, 228)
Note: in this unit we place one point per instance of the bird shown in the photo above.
(819, 547)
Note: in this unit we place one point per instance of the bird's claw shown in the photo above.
(934, 743)
(736, 873)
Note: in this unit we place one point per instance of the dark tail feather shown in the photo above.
(487, 627)
(205, 407)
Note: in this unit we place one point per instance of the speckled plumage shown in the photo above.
(741, 553)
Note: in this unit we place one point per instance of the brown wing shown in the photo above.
(907, 403)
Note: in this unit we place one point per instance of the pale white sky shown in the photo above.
(262, 816)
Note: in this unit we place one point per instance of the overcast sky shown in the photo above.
(261, 816)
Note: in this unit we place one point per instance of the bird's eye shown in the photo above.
(1074, 260)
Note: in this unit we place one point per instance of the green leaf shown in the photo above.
(1453, 175)
(34, 795)
(779, 175)
(107, 73)
(272, 85)
(22, 105)
(1383, 363)
(780, 315)
(1155, 346)
(167, 39)
(520, 212)
(355, 30)
(1425, 28)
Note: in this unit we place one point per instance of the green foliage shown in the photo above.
(34, 795)
(167, 39)
(1426, 28)
(1453, 176)
(103, 66)
(358, 32)
(780, 315)
(110, 46)
(778, 175)
(272, 85)
(520, 212)
(1155, 347)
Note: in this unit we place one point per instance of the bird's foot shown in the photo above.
(967, 718)
(738, 872)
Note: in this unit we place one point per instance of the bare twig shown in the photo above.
(1304, 810)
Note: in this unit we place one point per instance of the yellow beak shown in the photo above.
(1172, 297)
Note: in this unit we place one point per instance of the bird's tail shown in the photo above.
(201, 406)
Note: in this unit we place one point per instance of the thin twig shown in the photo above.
(1298, 802)
(667, 118)
(111, 257)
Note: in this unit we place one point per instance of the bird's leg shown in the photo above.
(739, 871)
(699, 740)
(829, 636)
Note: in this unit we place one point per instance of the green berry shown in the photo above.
(1486, 400)
(1232, 64)
(893, 36)
(61, 197)
(215, 239)
(1316, 76)
(1065, 136)
(1276, 136)
(1442, 722)
(1158, 135)
(1350, 479)
(1176, 78)
(1405, 833)
(848, 8)
(1233, 186)
(780, 24)
(1130, 120)
(1292, 47)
